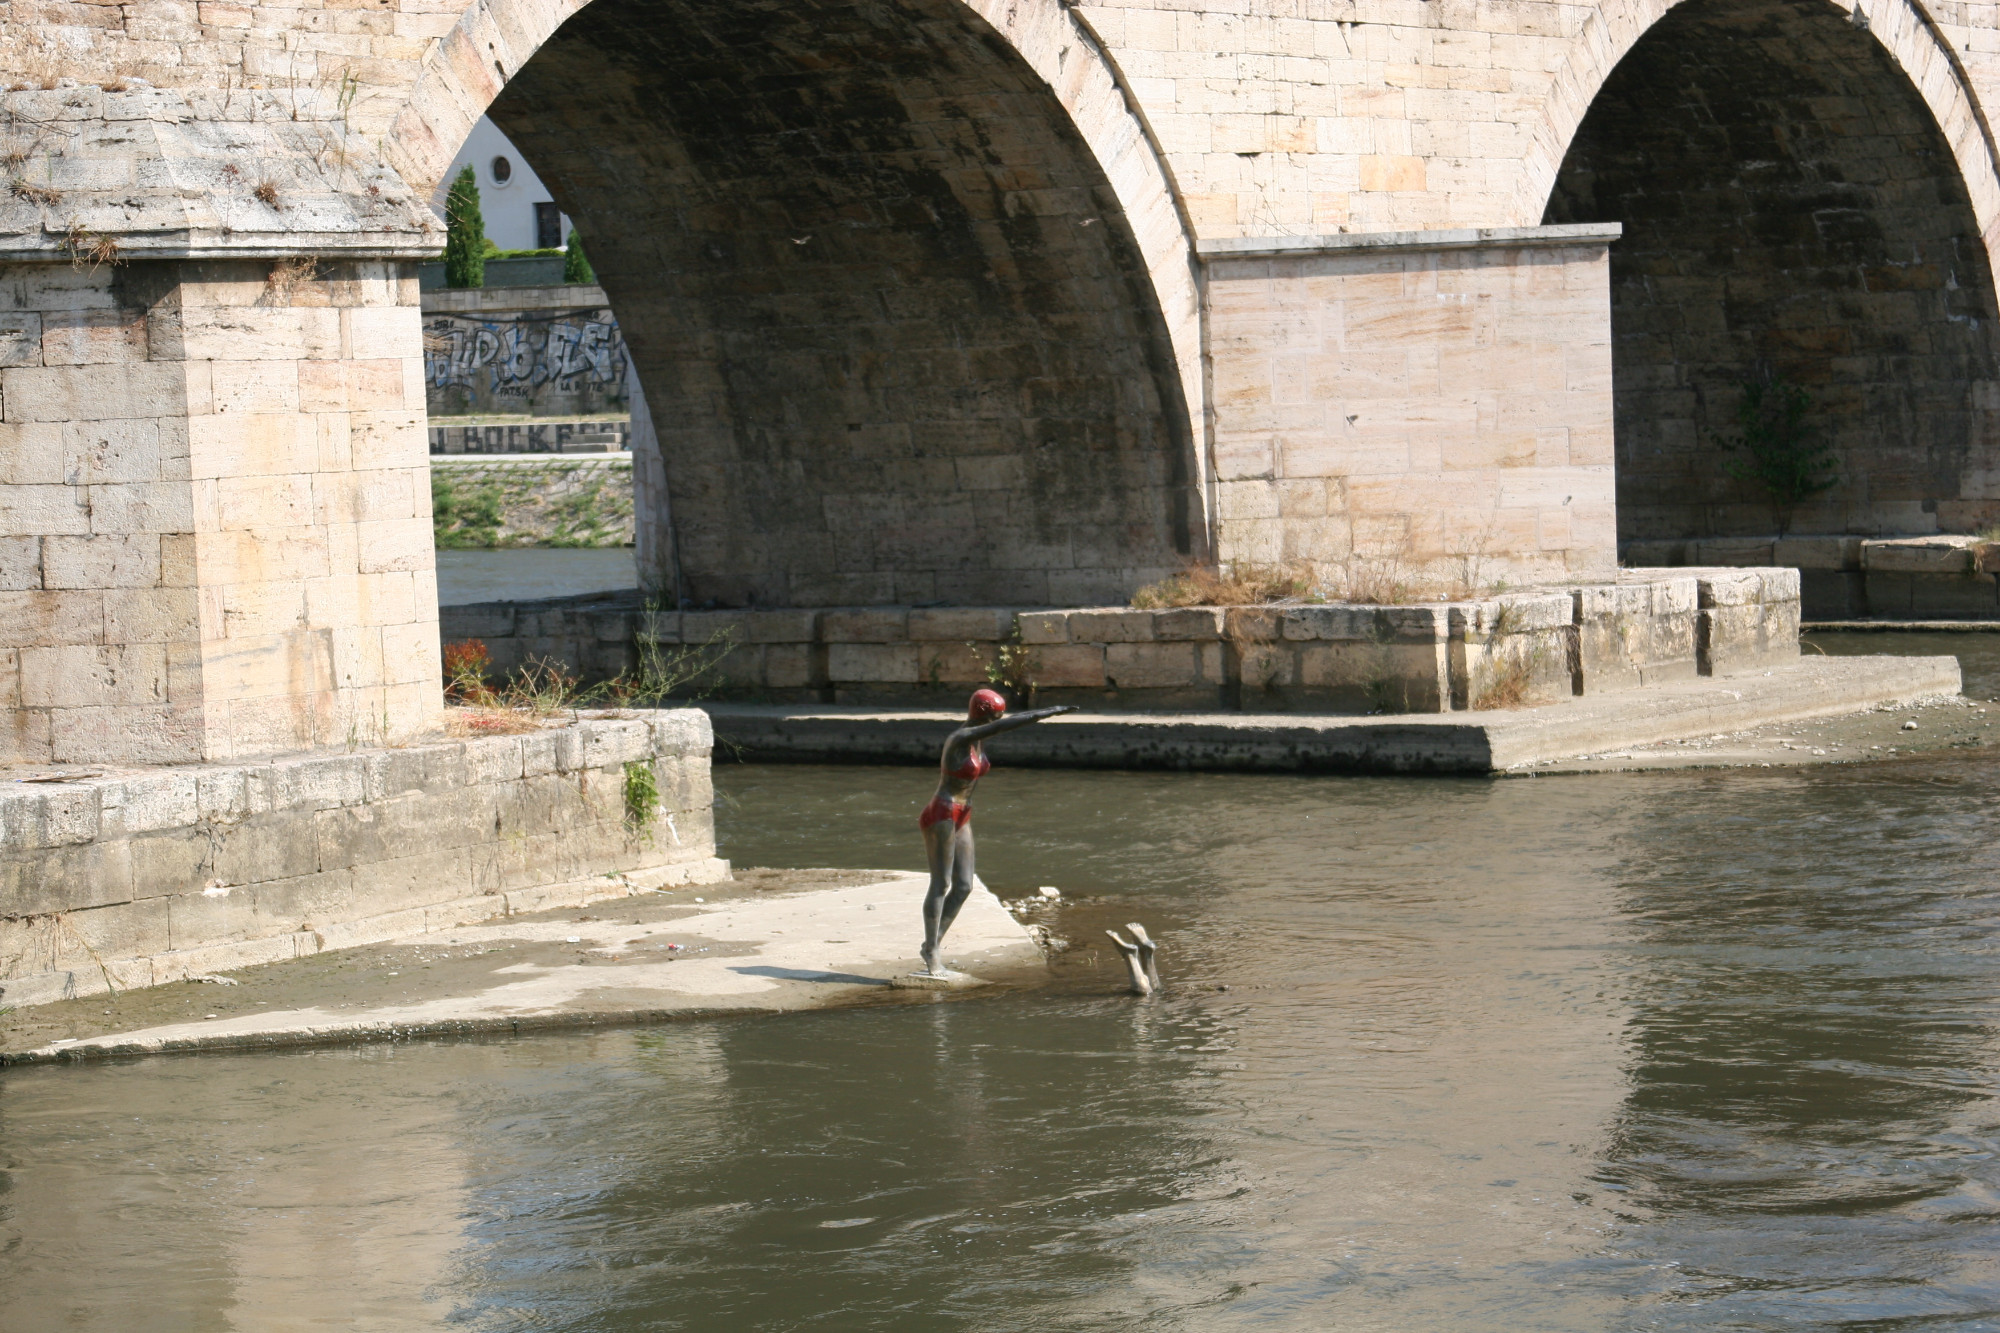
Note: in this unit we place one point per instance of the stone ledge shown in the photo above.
(127, 879)
(1537, 644)
(1463, 238)
(1468, 743)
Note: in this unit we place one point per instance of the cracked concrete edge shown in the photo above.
(1001, 950)
(180, 964)
(1814, 688)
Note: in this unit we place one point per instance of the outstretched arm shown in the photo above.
(1011, 721)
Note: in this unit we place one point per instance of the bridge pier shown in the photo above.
(214, 503)
(1423, 409)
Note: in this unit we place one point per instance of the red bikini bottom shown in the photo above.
(942, 808)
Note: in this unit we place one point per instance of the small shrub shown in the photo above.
(1778, 451)
(669, 671)
(1010, 667)
(266, 194)
(465, 666)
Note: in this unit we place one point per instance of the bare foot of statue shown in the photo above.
(1134, 969)
(935, 968)
(1146, 951)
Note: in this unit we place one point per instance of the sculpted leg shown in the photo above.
(961, 877)
(1146, 951)
(937, 847)
(1134, 969)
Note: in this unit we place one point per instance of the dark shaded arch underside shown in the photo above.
(1790, 208)
(893, 329)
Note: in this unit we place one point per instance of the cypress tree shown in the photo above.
(464, 234)
(576, 264)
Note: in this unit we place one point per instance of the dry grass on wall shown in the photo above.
(1373, 581)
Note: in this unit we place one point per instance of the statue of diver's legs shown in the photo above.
(949, 846)
(1146, 950)
(1134, 969)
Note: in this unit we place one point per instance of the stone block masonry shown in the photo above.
(136, 878)
(1431, 409)
(1645, 628)
(216, 521)
(1939, 576)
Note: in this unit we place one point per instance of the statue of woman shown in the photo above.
(947, 821)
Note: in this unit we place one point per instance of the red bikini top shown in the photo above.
(974, 767)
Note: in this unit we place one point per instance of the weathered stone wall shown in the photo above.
(1644, 628)
(216, 519)
(1792, 209)
(141, 878)
(523, 351)
(1432, 409)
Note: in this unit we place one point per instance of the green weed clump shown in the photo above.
(465, 519)
(642, 797)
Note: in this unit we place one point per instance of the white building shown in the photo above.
(519, 213)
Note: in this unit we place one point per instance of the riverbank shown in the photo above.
(764, 941)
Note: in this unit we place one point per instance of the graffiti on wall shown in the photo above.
(527, 363)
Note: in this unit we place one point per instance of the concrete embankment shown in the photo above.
(1465, 742)
(766, 941)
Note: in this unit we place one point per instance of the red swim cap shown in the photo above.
(987, 703)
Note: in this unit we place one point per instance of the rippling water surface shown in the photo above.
(1672, 1051)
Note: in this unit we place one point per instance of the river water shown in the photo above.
(1694, 1050)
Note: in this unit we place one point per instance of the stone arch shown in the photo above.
(1903, 28)
(1793, 206)
(929, 242)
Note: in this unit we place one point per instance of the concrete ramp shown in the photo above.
(767, 941)
(1460, 742)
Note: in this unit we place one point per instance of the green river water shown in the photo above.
(1700, 1050)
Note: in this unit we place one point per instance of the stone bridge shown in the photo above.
(959, 301)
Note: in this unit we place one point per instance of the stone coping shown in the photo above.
(176, 174)
(59, 805)
(1929, 553)
(1474, 238)
(478, 300)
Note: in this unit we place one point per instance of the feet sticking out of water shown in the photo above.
(1134, 969)
(1146, 951)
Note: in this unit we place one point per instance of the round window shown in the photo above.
(503, 171)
